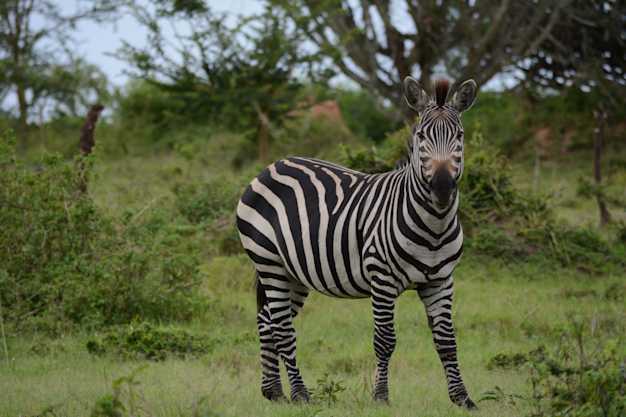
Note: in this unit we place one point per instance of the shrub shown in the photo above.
(582, 377)
(63, 262)
(310, 136)
(365, 116)
(142, 340)
(384, 157)
(514, 360)
(208, 201)
(581, 247)
(499, 220)
(211, 208)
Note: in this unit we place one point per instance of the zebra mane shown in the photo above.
(441, 91)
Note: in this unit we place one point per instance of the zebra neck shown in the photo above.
(422, 209)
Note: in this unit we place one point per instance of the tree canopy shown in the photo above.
(37, 62)
(376, 45)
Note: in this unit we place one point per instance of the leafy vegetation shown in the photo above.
(122, 274)
(327, 390)
(580, 376)
(65, 263)
(142, 340)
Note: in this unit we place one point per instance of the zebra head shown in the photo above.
(437, 142)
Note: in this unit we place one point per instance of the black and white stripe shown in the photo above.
(312, 225)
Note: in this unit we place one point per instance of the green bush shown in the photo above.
(310, 136)
(380, 158)
(142, 340)
(210, 207)
(582, 377)
(63, 262)
(208, 201)
(365, 115)
(498, 219)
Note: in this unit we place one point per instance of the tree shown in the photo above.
(35, 62)
(241, 75)
(377, 47)
(587, 51)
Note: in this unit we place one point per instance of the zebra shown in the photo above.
(309, 224)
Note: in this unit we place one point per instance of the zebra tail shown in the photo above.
(260, 294)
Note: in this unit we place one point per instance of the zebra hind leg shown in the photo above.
(271, 386)
(284, 300)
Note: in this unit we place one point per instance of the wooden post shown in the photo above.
(87, 142)
(598, 144)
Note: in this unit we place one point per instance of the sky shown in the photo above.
(97, 42)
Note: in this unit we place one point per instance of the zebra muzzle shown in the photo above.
(443, 187)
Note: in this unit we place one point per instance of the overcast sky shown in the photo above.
(97, 41)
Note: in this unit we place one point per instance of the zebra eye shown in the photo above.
(459, 135)
(420, 135)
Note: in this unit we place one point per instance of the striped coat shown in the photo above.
(313, 225)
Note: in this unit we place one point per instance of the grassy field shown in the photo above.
(498, 309)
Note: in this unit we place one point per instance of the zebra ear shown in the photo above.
(464, 96)
(414, 94)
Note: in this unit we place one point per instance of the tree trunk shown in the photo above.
(600, 116)
(264, 141)
(23, 111)
(263, 135)
(86, 143)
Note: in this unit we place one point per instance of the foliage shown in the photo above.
(499, 395)
(211, 207)
(241, 77)
(574, 381)
(307, 135)
(65, 263)
(122, 401)
(384, 157)
(498, 219)
(514, 360)
(365, 115)
(586, 50)
(150, 113)
(210, 200)
(327, 389)
(126, 399)
(372, 44)
(36, 62)
(142, 340)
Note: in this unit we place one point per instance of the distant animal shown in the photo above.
(308, 225)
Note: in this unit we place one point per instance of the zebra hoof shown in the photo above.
(275, 395)
(469, 404)
(382, 397)
(300, 396)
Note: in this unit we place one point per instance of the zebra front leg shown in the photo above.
(284, 334)
(383, 303)
(438, 303)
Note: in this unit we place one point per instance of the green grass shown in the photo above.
(558, 180)
(498, 309)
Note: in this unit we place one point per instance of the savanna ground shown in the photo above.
(502, 305)
(499, 309)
